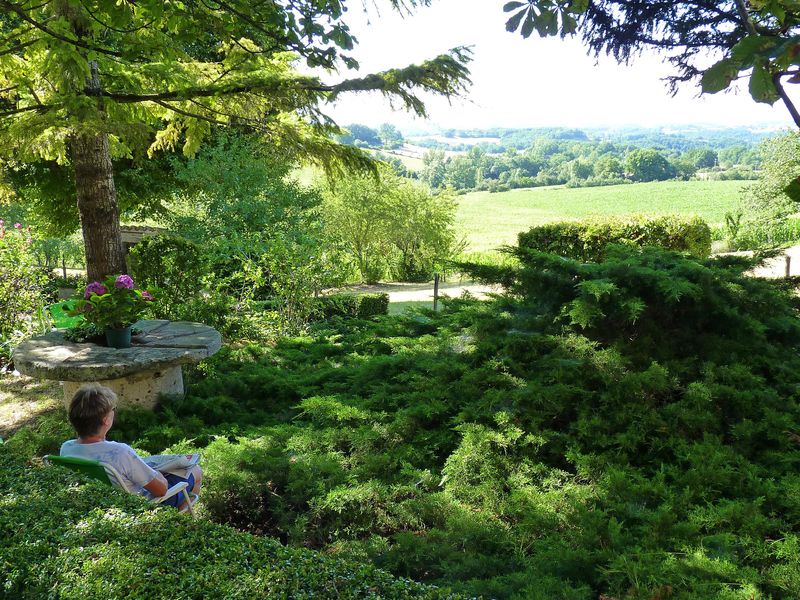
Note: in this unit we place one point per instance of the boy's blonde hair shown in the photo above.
(90, 404)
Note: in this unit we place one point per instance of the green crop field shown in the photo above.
(492, 220)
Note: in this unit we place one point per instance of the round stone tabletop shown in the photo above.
(161, 345)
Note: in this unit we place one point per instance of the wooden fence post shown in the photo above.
(435, 291)
(788, 266)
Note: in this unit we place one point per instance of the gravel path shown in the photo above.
(776, 267)
(421, 292)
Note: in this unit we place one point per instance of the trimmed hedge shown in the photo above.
(67, 537)
(587, 240)
(361, 306)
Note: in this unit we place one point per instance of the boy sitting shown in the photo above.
(91, 413)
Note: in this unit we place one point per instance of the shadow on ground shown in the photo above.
(24, 400)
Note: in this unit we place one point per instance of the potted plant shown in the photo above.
(113, 306)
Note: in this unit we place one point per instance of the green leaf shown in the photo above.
(513, 23)
(748, 50)
(578, 7)
(529, 24)
(634, 307)
(509, 6)
(762, 87)
(548, 23)
(719, 76)
(568, 25)
(597, 288)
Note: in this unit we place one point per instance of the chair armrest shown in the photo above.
(175, 489)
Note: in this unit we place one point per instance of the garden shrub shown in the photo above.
(371, 305)
(388, 225)
(588, 240)
(625, 428)
(362, 306)
(187, 285)
(172, 264)
(67, 537)
(54, 283)
(338, 305)
(21, 289)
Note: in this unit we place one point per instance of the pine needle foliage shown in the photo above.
(626, 429)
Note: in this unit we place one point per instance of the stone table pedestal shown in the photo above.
(138, 375)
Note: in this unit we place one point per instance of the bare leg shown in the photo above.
(198, 478)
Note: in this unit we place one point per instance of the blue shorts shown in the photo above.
(178, 498)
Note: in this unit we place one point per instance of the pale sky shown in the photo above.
(527, 83)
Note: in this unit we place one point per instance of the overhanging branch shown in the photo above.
(10, 6)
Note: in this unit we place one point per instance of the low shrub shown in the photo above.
(371, 305)
(67, 537)
(588, 240)
(55, 282)
(625, 429)
(22, 303)
(338, 305)
(174, 269)
(362, 306)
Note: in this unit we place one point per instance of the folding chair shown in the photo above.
(109, 475)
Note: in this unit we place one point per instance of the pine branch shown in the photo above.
(11, 7)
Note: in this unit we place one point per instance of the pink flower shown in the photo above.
(124, 281)
(95, 288)
(2, 222)
(17, 225)
(147, 296)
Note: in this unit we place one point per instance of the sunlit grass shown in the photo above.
(489, 221)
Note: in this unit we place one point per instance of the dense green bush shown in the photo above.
(370, 305)
(169, 262)
(179, 273)
(54, 283)
(67, 537)
(361, 306)
(587, 240)
(244, 234)
(21, 286)
(624, 429)
(392, 227)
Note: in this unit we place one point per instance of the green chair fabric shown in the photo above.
(108, 474)
(92, 468)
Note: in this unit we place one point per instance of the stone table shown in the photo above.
(151, 366)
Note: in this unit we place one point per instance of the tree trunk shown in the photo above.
(97, 205)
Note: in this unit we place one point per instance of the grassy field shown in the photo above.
(411, 162)
(492, 220)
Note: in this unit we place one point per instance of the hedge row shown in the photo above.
(360, 306)
(587, 240)
(67, 537)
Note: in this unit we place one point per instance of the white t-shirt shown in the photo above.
(122, 457)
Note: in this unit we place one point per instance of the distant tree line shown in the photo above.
(497, 140)
(501, 159)
(551, 161)
(386, 136)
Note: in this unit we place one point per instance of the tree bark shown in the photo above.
(97, 205)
